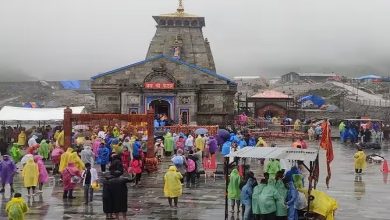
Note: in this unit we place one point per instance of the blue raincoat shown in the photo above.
(226, 148)
(292, 202)
(103, 156)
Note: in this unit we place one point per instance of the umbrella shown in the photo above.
(222, 136)
(201, 131)
(81, 127)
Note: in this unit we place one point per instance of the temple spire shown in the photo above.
(180, 8)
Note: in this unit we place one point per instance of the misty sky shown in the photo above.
(76, 39)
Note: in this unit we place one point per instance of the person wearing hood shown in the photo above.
(200, 142)
(273, 166)
(126, 157)
(341, 130)
(189, 143)
(213, 145)
(292, 202)
(32, 141)
(360, 161)
(87, 155)
(43, 149)
(267, 200)
(103, 157)
(43, 175)
(281, 208)
(56, 158)
(172, 185)
(137, 151)
(30, 176)
(77, 161)
(16, 207)
(246, 198)
(116, 164)
(95, 146)
(226, 148)
(251, 141)
(22, 138)
(261, 142)
(7, 172)
(290, 173)
(234, 189)
(168, 144)
(65, 157)
(180, 143)
(70, 177)
(16, 153)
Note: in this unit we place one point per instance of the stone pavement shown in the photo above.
(357, 200)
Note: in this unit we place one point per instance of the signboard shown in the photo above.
(159, 85)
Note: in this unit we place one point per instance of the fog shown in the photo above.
(76, 39)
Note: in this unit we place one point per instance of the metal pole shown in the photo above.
(226, 187)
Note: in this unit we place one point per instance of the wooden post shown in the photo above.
(67, 126)
(150, 160)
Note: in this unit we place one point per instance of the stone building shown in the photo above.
(178, 77)
(297, 77)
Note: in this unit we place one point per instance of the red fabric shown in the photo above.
(136, 166)
(125, 159)
(67, 174)
(385, 167)
(326, 144)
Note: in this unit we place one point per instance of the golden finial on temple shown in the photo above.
(180, 9)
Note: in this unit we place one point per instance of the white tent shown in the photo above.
(287, 153)
(9, 113)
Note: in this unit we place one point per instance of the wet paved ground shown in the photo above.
(368, 199)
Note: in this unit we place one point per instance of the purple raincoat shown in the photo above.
(7, 170)
(213, 146)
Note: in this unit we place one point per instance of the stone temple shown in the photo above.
(178, 77)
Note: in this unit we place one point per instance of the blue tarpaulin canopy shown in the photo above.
(71, 84)
(316, 100)
(369, 77)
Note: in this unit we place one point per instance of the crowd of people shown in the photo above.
(124, 156)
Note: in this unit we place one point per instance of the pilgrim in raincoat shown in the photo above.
(234, 185)
(172, 184)
(246, 197)
(16, 208)
(74, 157)
(261, 142)
(30, 173)
(292, 201)
(252, 142)
(360, 160)
(61, 138)
(281, 208)
(7, 170)
(22, 138)
(43, 175)
(43, 149)
(15, 152)
(267, 199)
(272, 168)
(168, 142)
(65, 157)
(255, 198)
(103, 155)
(323, 204)
(226, 148)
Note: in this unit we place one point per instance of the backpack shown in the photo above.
(190, 165)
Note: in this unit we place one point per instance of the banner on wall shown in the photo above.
(159, 85)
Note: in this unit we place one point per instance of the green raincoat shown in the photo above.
(281, 209)
(43, 149)
(234, 191)
(268, 198)
(298, 181)
(272, 168)
(15, 152)
(255, 198)
(341, 127)
(168, 142)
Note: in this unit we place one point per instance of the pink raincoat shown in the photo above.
(95, 146)
(67, 173)
(43, 175)
(56, 155)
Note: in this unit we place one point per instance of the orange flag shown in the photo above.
(326, 144)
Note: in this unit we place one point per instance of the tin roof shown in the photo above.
(271, 94)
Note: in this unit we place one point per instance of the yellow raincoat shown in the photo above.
(360, 160)
(65, 157)
(22, 138)
(56, 135)
(16, 208)
(261, 143)
(323, 204)
(200, 143)
(74, 158)
(61, 138)
(297, 125)
(172, 184)
(30, 173)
